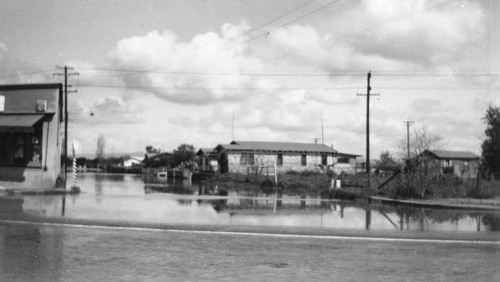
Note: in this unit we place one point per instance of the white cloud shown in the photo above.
(180, 96)
(202, 65)
(419, 33)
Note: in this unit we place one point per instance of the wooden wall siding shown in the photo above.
(290, 162)
(464, 168)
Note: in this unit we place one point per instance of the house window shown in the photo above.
(21, 148)
(303, 160)
(324, 159)
(466, 165)
(343, 160)
(279, 160)
(247, 159)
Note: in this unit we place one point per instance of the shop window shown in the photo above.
(21, 148)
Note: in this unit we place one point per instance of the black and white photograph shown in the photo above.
(249, 140)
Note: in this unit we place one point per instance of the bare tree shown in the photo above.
(421, 139)
(99, 155)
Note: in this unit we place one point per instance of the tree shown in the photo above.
(184, 153)
(421, 139)
(99, 155)
(150, 149)
(387, 162)
(490, 155)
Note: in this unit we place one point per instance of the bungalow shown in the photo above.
(30, 126)
(460, 163)
(247, 156)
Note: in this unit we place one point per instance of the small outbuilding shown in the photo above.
(460, 163)
(207, 159)
(30, 143)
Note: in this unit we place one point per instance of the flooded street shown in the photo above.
(132, 198)
(32, 252)
(236, 237)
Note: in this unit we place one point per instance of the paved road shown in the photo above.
(38, 252)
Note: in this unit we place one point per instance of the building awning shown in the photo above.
(19, 122)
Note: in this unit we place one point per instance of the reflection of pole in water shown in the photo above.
(368, 218)
(478, 222)
(63, 205)
(275, 188)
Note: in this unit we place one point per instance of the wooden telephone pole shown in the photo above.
(65, 151)
(368, 88)
(408, 123)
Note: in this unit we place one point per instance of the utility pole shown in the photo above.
(368, 88)
(322, 132)
(408, 123)
(65, 152)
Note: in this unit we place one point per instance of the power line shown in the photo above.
(286, 24)
(271, 89)
(279, 17)
(381, 73)
(25, 74)
(262, 25)
(336, 39)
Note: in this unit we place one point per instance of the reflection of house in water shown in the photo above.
(30, 147)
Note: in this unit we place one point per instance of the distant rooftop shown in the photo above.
(278, 147)
(452, 155)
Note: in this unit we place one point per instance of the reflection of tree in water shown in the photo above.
(184, 202)
(493, 221)
(98, 188)
(422, 217)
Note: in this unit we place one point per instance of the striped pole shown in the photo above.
(74, 166)
(74, 188)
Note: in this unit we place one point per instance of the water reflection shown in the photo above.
(133, 198)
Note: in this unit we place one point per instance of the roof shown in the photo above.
(13, 120)
(204, 151)
(452, 155)
(277, 147)
(157, 155)
(8, 87)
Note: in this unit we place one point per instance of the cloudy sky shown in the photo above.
(205, 72)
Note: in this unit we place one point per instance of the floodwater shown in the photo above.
(135, 198)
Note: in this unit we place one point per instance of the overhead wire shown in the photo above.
(254, 29)
(335, 39)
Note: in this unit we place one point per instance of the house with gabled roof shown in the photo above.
(460, 163)
(248, 156)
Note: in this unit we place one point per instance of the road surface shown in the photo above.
(58, 252)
